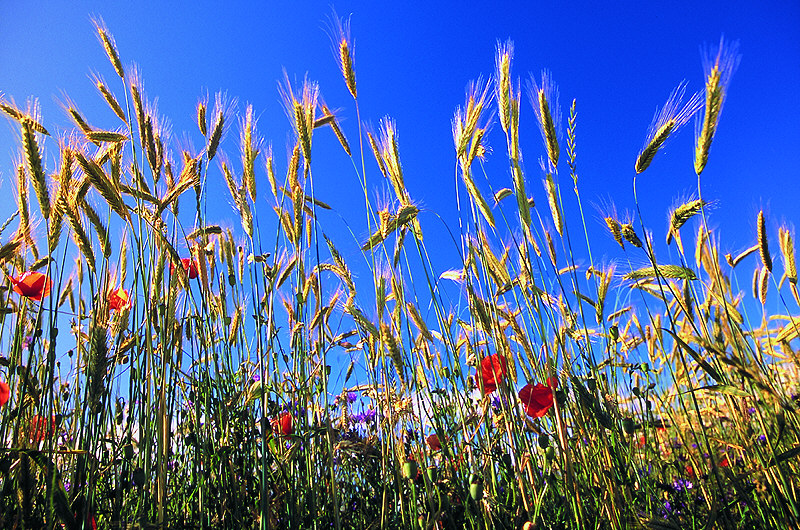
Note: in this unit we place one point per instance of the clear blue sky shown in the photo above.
(620, 60)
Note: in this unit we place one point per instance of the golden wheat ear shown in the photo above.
(763, 243)
(718, 74)
(544, 99)
(666, 123)
(110, 46)
(339, 33)
(502, 82)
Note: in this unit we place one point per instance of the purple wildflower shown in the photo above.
(682, 484)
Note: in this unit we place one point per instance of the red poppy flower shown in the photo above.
(41, 428)
(433, 442)
(33, 285)
(189, 265)
(537, 399)
(283, 425)
(118, 299)
(5, 393)
(493, 370)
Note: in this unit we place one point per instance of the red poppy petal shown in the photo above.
(537, 399)
(5, 393)
(283, 425)
(493, 370)
(33, 285)
(433, 442)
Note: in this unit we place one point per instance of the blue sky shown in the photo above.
(413, 62)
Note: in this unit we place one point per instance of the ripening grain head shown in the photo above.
(502, 81)
(718, 68)
(110, 46)
(343, 50)
(666, 123)
(544, 99)
(300, 107)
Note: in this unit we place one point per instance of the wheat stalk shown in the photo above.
(665, 271)
(221, 110)
(667, 122)
(109, 97)
(300, 109)
(502, 81)
(79, 233)
(33, 159)
(100, 228)
(552, 201)
(718, 73)
(330, 119)
(680, 215)
(202, 121)
(544, 99)
(630, 236)
(763, 284)
(787, 252)
(109, 45)
(102, 184)
(763, 244)
(250, 144)
(339, 32)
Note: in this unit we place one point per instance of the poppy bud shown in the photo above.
(409, 469)
(544, 441)
(476, 488)
(433, 473)
(628, 426)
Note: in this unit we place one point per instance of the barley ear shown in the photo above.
(33, 159)
(616, 230)
(763, 244)
(630, 236)
(787, 252)
(502, 81)
(544, 99)
(763, 284)
(202, 122)
(102, 184)
(718, 74)
(111, 100)
(79, 234)
(552, 200)
(109, 45)
(250, 151)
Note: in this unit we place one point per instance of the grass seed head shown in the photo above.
(300, 108)
(544, 99)
(109, 97)
(763, 244)
(343, 49)
(718, 69)
(787, 252)
(502, 81)
(110, 46)
(630, 236)
(666, 122)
